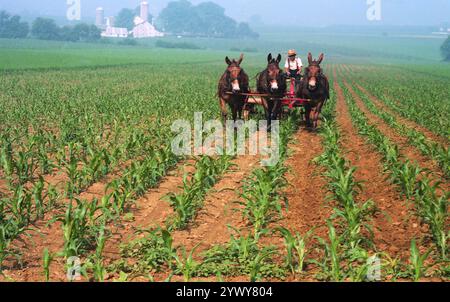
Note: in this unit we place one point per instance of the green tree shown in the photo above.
(213, 22)
(95, 33)
(245, 31)
(80, 32)
(45, 29)
(206, 19)
(11, 27)
(66, 34)
(177, 17)
(445, 49)
(125, 19)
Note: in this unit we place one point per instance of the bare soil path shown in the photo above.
(393, 225)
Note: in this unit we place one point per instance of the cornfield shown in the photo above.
(85, 159)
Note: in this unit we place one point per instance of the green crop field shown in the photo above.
(87, 169)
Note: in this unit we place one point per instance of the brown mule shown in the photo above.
(272, 82)
(233, 82)
(315, 87)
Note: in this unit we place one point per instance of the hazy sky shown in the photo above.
(302, 12)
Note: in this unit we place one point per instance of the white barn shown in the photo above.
(143, 29)
(115, 32)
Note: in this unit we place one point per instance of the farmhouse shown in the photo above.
(142, 27)
(114, 32)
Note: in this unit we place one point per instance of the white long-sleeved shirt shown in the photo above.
(293, 65)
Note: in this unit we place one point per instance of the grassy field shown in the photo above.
(339, 47)
(87, 169)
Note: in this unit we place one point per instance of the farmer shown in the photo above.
(294, 65)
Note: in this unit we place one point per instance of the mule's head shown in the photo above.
(313, 71)
(274, 72)
(234, 71)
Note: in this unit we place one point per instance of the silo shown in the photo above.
(110, 21)
(144, 11)
(99, 17)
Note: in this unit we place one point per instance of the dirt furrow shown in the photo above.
(393, 226)
(308, 208)
(50, 235)
(149, 211)
(406, 149)
(410, 124)
(211, 224)
(307, 188)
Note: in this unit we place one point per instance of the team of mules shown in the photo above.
(271, 83)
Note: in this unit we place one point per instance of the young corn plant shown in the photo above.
(262, 201)
(139, 177)
(98, 267)
(47, 260)
(25, 165)
(20, 206)
(331, 265)
(4, 244)
(45, 163)
(6, 159)
(185, 263)
(77, 230)
(296, 249)
(257, 264)
(71, 166)
(434, 210)
(417, 261)
(406, 177)
(9, 230)
(39, 198)
(186, 204)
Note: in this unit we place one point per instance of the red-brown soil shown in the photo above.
(394, 226)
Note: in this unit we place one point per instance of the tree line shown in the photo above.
(445, 49)
(206, 19)
(46, 29)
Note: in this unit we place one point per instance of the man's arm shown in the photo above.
(300, 66)
(286, 66)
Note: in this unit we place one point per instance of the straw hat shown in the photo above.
(292, 52)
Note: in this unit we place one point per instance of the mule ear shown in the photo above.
(227, 60)
(310, 59)
(279, 58)
(241, 58)
(320, 58)
(269, 58)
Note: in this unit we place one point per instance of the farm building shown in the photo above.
(142, 27)
(100, 17)
(114, 32)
